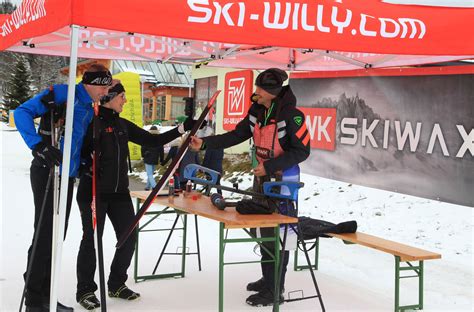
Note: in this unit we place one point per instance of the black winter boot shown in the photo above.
(263, 298)
(124, 292)
(89, 301)
(257, 285)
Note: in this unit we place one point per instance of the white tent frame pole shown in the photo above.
(262, 50)
(59, 235)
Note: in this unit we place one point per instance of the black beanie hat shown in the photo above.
(271, 80)
(113, 92)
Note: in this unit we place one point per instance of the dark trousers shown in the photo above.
(38, 288)
(268, 268)
(120, 213)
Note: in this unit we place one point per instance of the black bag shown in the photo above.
(249, 206)
(313, 228)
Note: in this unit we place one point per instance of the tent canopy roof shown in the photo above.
(292, 34)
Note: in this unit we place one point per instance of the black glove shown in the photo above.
(188, 124)
(47, 154)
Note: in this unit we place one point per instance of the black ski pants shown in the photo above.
(268, 268)
(38, 287)
(120, 213)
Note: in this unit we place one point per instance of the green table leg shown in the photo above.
(183, 257)
(276, 299)
(420, 284)
(397, 283)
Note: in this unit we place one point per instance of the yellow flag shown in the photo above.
(133, 108)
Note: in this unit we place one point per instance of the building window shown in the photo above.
(177, 107)
(160, 107)
(204, 89)
(147, 108)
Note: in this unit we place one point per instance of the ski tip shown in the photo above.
(213, 98)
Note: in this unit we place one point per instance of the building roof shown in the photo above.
(176, 75)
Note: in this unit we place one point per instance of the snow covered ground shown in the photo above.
(350, 277)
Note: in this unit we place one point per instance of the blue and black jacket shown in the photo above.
(34, 108)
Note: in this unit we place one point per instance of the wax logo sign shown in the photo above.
(321, 125)
(238, 89)
(235, 96)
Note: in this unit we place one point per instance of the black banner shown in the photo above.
(409, 134)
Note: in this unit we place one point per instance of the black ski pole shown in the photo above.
(95, 205)
(36, 236)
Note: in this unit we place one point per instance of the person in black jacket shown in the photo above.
(152, 155)
(115, 202)
(281, 142)
(213, 160)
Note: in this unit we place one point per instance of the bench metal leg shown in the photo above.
(297, 267)
(183, 253)
(165, 245)
(419, 271)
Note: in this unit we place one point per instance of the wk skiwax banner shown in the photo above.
(133, 108)
(410, 133)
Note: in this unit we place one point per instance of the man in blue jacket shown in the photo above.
(95, 84)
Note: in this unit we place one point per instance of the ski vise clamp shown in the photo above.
(191, 172)
(282, 189)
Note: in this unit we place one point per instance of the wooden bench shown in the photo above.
(403, 254)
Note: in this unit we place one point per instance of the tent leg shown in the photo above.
(58, 235)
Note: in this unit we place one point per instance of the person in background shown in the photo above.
(95, 84)
(213, 158)
(190, 157)
(152, 156)
(172, 152)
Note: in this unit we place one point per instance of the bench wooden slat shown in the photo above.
(405, 252)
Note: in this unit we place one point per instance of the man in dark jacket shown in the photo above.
(213, 160)
(152, 155)
(95, 84)
(115, 201)
(281, 143)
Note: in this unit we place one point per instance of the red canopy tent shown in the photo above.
(295, 35)
(292, 34)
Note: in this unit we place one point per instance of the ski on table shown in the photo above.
(168, 173)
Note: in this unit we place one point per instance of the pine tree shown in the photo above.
(6, 7)
(19, 85)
